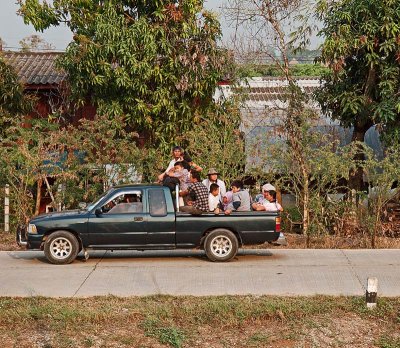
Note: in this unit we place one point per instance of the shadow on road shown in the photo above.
(125, 255)
(171, 254)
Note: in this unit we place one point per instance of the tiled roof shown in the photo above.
(274, 88)
(35, 68)
(263, 91)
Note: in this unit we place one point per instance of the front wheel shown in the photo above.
(61, 247)
(221, 245)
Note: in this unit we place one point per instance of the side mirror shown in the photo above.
(98, 212)
(82, 205)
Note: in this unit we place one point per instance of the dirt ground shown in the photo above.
(198, 322)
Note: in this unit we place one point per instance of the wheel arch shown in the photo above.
(49, 232)
(209, 230)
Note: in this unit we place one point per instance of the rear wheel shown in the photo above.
(61, 247)
(221, 245)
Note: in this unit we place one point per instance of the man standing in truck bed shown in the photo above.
(198, 196)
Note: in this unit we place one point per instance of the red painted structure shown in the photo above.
(40, 76)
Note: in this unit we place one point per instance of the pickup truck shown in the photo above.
(143, 217)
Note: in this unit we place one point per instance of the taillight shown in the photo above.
(278, 224)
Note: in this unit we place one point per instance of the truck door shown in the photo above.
(120, 221)
(161, 219)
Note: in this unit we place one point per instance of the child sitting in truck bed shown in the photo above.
(178, 174)
(213, 199)
(240, 198)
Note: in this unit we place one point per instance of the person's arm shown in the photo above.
(171, 172)
(222, 188)
(229, 208)
(185, 193)
(195, 166)
(170, 166)
(258, 206)
(161, 177)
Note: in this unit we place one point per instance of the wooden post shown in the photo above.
(279, 196)
(372, 292)
(7, 209)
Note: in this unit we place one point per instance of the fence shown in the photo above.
(5, 209)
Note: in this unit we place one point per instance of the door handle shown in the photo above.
(138, 219)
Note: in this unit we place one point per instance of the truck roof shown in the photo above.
(142, 185)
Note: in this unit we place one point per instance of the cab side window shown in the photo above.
(124, 204)
(157, 203)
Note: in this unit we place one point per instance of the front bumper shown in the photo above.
(21, 236)
(29, 241)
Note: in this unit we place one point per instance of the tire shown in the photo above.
(61, 248)
(221, 245)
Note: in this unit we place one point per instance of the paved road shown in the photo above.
(272, 272)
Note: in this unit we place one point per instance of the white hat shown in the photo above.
(268, 187)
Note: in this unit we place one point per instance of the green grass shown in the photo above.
(388, 342)
(170, 335)
(168, 321)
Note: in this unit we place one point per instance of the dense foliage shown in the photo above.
(297, 70)
(362, 50)
(154, 62)
(43, 161)
(12, 99)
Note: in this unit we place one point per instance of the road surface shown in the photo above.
(283, 272)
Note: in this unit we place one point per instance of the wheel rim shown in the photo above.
(221, 246)
(60, 248)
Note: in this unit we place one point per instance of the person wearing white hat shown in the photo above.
(268, 201)
(212, 178)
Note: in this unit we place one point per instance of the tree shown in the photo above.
(70, 162)
(34, 43)
(265, 23)
(218, 143)
(12, 99)
(362, 50)
(252, 70)
(154, 62)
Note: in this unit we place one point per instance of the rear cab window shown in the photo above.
(157, 202)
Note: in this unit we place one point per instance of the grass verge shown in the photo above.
(227, 321)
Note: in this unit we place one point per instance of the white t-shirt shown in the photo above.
(172, 164)
(213, 202)
(220, 183)
(270, 206)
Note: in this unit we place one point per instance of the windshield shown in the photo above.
(92, 205)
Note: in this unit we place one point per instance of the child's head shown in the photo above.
(236, 186)
(214, 189)
(178, 165)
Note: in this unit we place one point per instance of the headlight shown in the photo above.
(32, 229)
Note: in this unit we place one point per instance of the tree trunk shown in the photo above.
(38, 196)
(356, 181)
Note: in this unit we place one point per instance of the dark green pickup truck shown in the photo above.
(142, 217)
